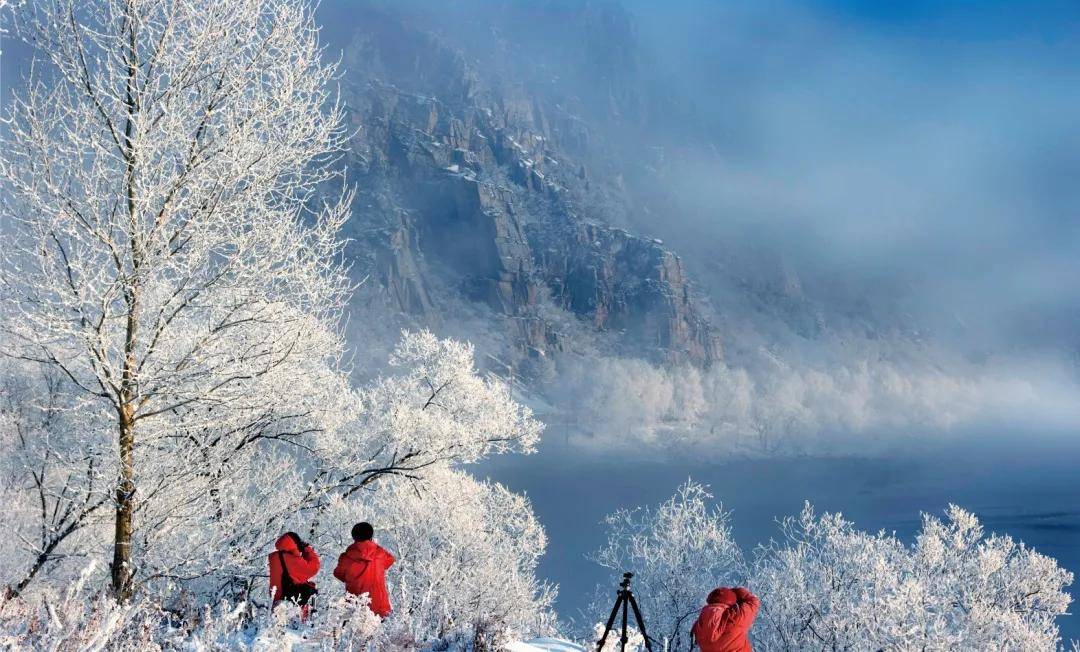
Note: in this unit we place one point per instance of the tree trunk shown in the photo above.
(125, 510)
(122, 570)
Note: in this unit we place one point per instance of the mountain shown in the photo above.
(488, 198)
(529, 181)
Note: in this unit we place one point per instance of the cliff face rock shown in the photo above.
(625, 284)
(467, 192)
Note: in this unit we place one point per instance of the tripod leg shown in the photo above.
(640, 621)
(610, 622)
(624, 639)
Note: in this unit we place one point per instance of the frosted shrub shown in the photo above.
(341, 624)
(828, 586)
(489, 635)
(76, 620)
(79, 620)
(679, 552)
(635, 642)
(466, 550)
(825, 585)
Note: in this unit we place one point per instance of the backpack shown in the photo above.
(301, 594)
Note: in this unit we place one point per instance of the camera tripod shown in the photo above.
(625, 598)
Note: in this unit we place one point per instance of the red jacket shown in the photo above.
(363, 569)
(302, 567)
(724, 623)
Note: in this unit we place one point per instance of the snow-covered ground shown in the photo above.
(544, 645)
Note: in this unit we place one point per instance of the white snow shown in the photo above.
(544, 645)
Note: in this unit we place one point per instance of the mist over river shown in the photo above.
(1018, 483)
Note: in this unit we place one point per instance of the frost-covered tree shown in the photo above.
(167, 259)
(766, 404)
(678, 552)
(828, 586)
(467, 553)
(163, 245)
(467, 550)
(432, 408)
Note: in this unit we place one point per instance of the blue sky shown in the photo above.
(969, 19)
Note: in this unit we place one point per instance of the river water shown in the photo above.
(1024, 485)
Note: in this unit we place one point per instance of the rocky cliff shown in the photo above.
(473, 188)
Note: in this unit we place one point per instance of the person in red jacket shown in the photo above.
(301, 563)
(724, 622)
(362, 567)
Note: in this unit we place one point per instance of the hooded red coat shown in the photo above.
(724, 622)
(363, 569)
(302, 567)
